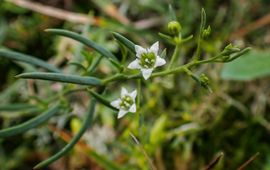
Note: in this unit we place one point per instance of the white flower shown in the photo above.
(126, 103)
(147, 60)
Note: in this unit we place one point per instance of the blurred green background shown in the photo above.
(184, 127)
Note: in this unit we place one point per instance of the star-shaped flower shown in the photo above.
(147, 60)
(126, 103)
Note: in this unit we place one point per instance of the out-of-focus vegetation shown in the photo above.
(183, 126)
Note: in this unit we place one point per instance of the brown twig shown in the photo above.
(83, 18)
(251, 27)
(150, 22)
(112, 11)
(214, 162)
(245, 164)
(55, 12)
(67, 137)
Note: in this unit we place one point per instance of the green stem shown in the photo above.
(139, 88)
(202, 26)
(94, 64)
(65, 92)
(198, 50)
(175, 70)
(118, 76)
(121, 76)
(175, 55)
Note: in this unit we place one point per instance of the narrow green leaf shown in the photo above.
(78, 64)
(124, 52)
(200, 37)
(7, 94)
(34, 122)
(166, 37)
(16, 107)
(172, 13)
(187, 39)
(102, 100)
(94, 65)
(203, 21)
(27, 59)
(86, 124)
(126, 42)
(87, 56)
(61, 78)
(163, 53)
(83, 40)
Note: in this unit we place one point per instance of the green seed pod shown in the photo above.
(204, 80)
(174, 28)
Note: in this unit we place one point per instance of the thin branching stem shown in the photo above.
(182, 68)
(174, 56)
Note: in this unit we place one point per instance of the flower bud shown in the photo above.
(230, 49)
(204, 80)
(174, 28)
(206, 32)
(225, 58)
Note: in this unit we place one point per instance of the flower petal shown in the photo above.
(134, 64)
(159, 62)
(124, 92)
(139, 50)
(146, 73)
(154, 48)
(132, 109)
(121, 113)
(116, 103)
(133, 94)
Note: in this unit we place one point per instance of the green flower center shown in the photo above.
(147, 60)
(126, 102)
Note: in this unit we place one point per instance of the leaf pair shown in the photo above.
(63, 77)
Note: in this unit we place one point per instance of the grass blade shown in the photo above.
(27, 59)
(87, 122)
(83, 40)
(126, 42)
(62, 78)
(34, 122)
